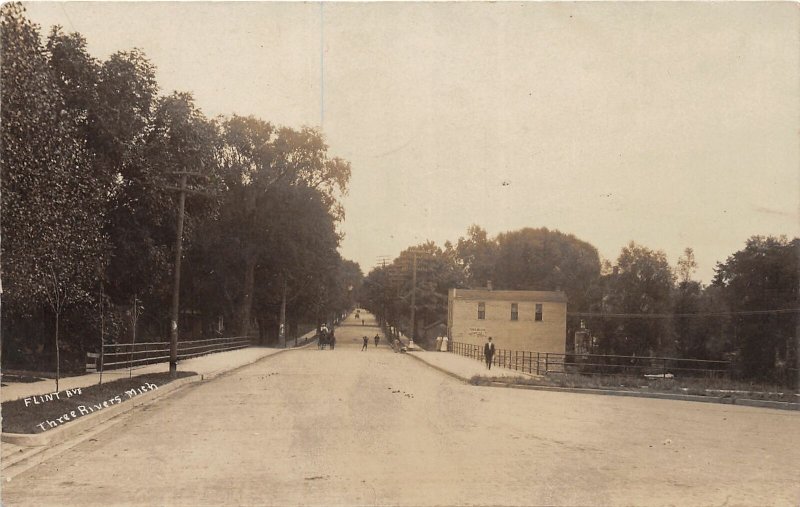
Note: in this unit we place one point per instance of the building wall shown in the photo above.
(548, 335)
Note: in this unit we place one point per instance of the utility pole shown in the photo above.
(176, 279)
(282, 328)
(176, 283)
(413, 301)
(383, 321)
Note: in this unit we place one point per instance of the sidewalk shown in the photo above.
(464, 368)
(207, 366)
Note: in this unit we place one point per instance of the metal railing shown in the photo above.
(127, 355)
(545, 363)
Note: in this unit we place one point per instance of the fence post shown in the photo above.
(537, 363)
(516, 360)
(664, 368)
(546, 357)
(102, 359)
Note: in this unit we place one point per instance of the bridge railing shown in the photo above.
(127, 355)
(546, 363)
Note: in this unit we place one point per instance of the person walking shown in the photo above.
(362, 322)
(332, 339)
(377, 339)
(366, 342)
(488, 353)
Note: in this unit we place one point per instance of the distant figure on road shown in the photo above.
(377, 339)
(488, 353)
(332, 339)
(362, 322)
(366, 342)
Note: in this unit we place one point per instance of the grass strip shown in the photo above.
(40, 413)
(697, 387)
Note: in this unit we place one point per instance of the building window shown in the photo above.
(538, 317)
(481, 311)
(514, 311)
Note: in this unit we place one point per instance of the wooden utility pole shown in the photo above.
(282, 328)
(176, 283)
(413, 299)
(176, 279)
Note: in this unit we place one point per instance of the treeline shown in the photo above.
(92, 159)
(637, 305)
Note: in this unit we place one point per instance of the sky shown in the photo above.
(673, 125)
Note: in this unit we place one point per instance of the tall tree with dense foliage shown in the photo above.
(260, 164)
(116, 102)
(760, 285)
(541, 259)
(53, 205)
(477, 253)
(640, 289)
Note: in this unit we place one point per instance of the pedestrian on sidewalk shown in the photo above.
(377, 339)
(488, 353)
(366, 342)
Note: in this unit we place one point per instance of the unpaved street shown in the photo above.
(345, 427)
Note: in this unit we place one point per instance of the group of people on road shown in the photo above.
(366, 341)
(326, 337)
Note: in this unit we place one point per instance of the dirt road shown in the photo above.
(346, 427)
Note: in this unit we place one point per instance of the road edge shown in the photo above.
(744, 402)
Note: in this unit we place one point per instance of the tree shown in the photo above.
(640, 285)
(389, 290)
(476, 253)
(540, 259)
(303, 264)
(115, 102)
(379, 296)
(259, 161)
(686, 266)
(694, 335)
(763, 277)
(53, 205)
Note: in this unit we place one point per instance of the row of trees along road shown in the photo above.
(637, 305)
(91, 156)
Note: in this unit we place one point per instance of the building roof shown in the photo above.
(510, 295)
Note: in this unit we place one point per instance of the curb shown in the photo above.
(439, 368)
(456, 375)
(778, 405)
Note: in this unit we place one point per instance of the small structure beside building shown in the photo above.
(515, 319)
